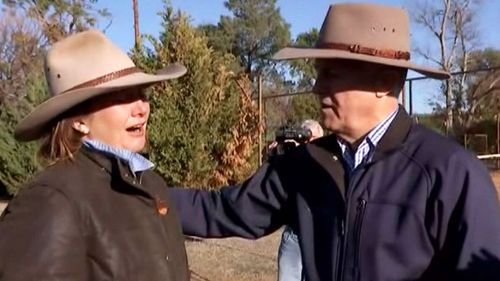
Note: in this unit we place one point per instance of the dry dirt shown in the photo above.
(496, 180)
(234, 259)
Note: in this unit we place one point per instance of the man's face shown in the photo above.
(346, 92)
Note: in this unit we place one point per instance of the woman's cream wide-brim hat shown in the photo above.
(80, 67)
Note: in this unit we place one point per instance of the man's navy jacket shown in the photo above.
(423, 209)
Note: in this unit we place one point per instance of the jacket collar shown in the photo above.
(395, 135)
(105, 162)
(393, 138)
(114, 166)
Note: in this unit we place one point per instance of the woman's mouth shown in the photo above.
(137, 130)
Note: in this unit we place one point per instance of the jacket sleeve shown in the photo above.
(468, 230)
(40, 238)
(250, 210)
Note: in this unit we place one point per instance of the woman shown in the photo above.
(97, 212)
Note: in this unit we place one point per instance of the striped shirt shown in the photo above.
(365, 150)
(135, 161)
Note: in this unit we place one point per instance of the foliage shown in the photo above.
(20, 56)
(305, 107)
(484, 128)
(59, 18)
(432, 121)
(22, 85)
(17, 160)
(254, 32)
(303, 69)
(26, 29)
(480, 97)
(203, 125)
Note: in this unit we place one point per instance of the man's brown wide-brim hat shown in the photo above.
(80, 67)
(364, 32)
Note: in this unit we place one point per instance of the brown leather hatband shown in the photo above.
(357, 49)
(106, 78)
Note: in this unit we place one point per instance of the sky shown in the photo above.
(302, 15)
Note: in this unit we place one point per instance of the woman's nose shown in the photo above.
(140, 107)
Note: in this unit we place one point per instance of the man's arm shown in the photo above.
(471, 245)
(250, 210)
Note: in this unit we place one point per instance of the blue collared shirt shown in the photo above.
(135, 161)
(367, 147)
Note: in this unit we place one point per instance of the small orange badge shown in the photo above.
(161, 206)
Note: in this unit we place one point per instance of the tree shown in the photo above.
(203, 126)
(451, 23)
(481, 96)
(254, 32)
(303, 70)
(22, 85)
(305, 107)
(17, 160)
(59, 18)
(26, 29)
(304, 74)
(20, 56)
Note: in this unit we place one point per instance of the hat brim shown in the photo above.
(35, 124)
(316, 53)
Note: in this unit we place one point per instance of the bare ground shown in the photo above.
(233, 259)
(496, 180)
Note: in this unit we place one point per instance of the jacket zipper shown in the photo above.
(339, 249)
(360, 213)
(353, 179)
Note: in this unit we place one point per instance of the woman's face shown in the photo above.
(118, 119)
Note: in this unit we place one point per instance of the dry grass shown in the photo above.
(3, 204)
(496, 180)
(233, 259)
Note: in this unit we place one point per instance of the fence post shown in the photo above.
(260, 119)
(410, 97)
(498, 139)
(403, 97)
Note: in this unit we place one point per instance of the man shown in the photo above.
(380, 199)
(289, 257)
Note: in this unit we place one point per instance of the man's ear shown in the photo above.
(81, 127)
(386, 80)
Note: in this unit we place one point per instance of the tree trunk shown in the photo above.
(136, 25)
(449, 109)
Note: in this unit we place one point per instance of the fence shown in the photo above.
(482, 135)
(430, 92)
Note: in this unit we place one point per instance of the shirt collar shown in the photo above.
(135, 161)
(366, 148)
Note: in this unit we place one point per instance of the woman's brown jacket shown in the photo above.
(92, 219)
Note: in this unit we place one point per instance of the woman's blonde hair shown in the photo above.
(62, 142)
